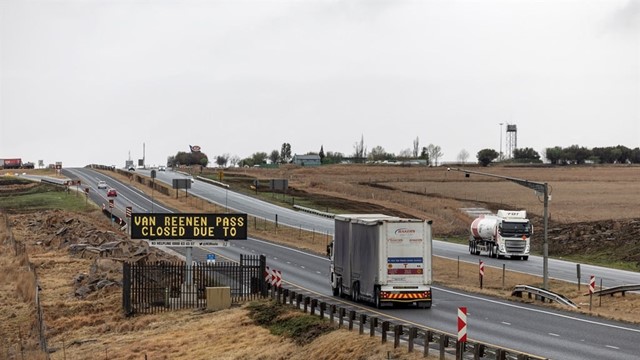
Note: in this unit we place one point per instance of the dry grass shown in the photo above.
(95, 327)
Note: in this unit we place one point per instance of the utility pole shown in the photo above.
(542, 188)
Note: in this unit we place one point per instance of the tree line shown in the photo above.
(428, 155)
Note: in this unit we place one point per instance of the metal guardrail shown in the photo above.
(314, 211)
(430, 340)
(542, 294)
(617, 289)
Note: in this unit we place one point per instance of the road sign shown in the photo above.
(462, 324)
(481, 268)
(211, 258)
(128, 211)
(111, 203)
(592, 284)
(273, 277)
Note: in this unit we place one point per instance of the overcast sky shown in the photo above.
(90, 81)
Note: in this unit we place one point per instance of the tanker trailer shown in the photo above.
(507, 233)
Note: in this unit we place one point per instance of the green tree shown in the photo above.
(222, 160)
(321, 154)
(554, 154)
(188, 159)
(424, 154)
(486, 156)
(285, 153)
(526, 155)
(274, 156)
(259, 158)
(333, 157)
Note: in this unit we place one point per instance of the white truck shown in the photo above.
(381, 259)
(506, 234)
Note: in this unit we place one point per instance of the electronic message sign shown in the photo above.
(189, 226)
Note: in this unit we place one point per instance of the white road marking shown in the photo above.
(552, 334)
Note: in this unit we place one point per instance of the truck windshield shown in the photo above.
(513, 229)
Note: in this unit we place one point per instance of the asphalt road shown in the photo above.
(527, 328)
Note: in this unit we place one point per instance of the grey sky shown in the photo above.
(88, 81)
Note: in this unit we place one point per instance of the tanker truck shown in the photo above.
(506, 234)
(381, 259)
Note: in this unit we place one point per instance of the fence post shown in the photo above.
(413, 332)
(340, 316)
(352, 316)
(306, 303)
(478, 351)
(323, 306)
(332, 311)
(314, 303)
(385, 328)
(428, 337)
(373, 323)
(443, 345)
(397, 331)
(363, 318)
(263, 270)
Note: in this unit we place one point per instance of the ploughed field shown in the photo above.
(594, 211)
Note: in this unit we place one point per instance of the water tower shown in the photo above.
(512, 140)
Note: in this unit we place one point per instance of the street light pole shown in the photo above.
(539, 188)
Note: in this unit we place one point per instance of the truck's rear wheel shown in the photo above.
(334, 290)
(355, 292)
(340, 289)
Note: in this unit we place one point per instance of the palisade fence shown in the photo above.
(163, 286)
(428, 341)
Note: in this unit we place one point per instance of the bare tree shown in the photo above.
(406, 154)
(360, 151)
(434, 153)
(234, 160)
(416, 147)
(463, 156)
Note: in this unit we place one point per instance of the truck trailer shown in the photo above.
(506, 234)
(381, 259)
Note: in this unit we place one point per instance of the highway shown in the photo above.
(528, 328)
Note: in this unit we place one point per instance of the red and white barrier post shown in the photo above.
(462, 332)
(481, 268)
(592, 288)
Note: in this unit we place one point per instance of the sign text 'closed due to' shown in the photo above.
(189, 226)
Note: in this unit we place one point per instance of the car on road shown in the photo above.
(102, 184)
(161, 168)
(112, 192)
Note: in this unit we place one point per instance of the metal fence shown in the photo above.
(158, 287)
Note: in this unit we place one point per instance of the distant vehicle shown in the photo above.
(112, 192)
(131, 168)
(191, 178)
(506, 234)
(102, 184)
(161, 168)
